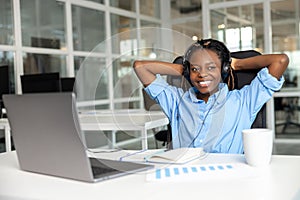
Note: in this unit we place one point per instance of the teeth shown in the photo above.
(204, 83)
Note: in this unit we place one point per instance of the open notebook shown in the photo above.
(176, 156)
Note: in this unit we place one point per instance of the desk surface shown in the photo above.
(281, 180)
(122, 120)
(106, 120)
(125, 120)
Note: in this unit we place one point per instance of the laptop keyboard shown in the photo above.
(101, 170)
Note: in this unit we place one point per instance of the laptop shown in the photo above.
(49, 140)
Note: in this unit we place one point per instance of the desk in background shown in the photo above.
(125, 120)
(5, 126)
(287, 93)
(280, 181)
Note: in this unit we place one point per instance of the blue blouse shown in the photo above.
(216, 125)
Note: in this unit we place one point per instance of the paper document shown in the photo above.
(206, 172)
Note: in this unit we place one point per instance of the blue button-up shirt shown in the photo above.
(216, 125)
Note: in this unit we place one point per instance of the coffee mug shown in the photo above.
(258, 146)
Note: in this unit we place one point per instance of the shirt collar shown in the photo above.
(219, 96)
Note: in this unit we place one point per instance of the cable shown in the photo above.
(190, 145)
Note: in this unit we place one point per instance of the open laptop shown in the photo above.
(48, 139)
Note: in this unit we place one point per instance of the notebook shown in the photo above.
(176, 156)
(49, 140)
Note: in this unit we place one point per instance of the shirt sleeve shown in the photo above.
(164, 94)
(260, 91)
(156, 87)
(270, 81)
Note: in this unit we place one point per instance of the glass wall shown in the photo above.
(187, 19)
(6, 54)
(245, 26)
(41, 29)
(82, 39)
(239, 27)
(88, 28)
(95, 40)
(99, 40)
(285, 38)
(150, 8)
(126, 5)
(6, 22)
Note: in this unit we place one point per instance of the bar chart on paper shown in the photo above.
(200, 172)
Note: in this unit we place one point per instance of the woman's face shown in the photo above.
(205, 72)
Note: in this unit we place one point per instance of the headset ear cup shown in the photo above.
(186, 70)
(225, 72)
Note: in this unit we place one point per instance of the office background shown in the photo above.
(39, 36)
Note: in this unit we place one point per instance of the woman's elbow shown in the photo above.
(284, 61)
(137, 64)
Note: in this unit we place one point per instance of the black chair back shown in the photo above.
(244, 77)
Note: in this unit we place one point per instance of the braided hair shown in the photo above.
(223, 54)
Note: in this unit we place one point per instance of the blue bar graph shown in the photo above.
(167, 172)
(176, 171)
(179, 171)
(185, 170)
(158, 174)
(194, 169)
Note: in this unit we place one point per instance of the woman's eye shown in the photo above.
(211, 68)
(195, 69)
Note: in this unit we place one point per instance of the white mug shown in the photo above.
(258, 146)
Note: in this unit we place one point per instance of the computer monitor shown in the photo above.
(38, 83)
(4, 80)
(67, 84)
(4, 84)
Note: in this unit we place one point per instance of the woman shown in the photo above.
(209, 114)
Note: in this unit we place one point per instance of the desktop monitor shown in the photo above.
(37, 83)
(67, 84)
(4, 84)
(4, 80)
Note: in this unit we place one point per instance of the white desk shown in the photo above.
(284, 93)
(125, 120)
(281, 182)
(5, 126)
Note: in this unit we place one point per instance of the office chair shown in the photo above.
(161, 135)
(165, 136)
(289, 105)
(244, 77)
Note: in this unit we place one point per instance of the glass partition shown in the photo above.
(43, 63)
(88, 28)
(126, 5)
(150, 8)
(239, 27)
(123, 40)
(6, 22)
(285, 38)
(40, 27)
(7, 62)
(91, 79)
(187, 17)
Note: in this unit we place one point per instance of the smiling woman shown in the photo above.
(210, 114)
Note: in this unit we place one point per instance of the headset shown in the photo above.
(214, 45)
